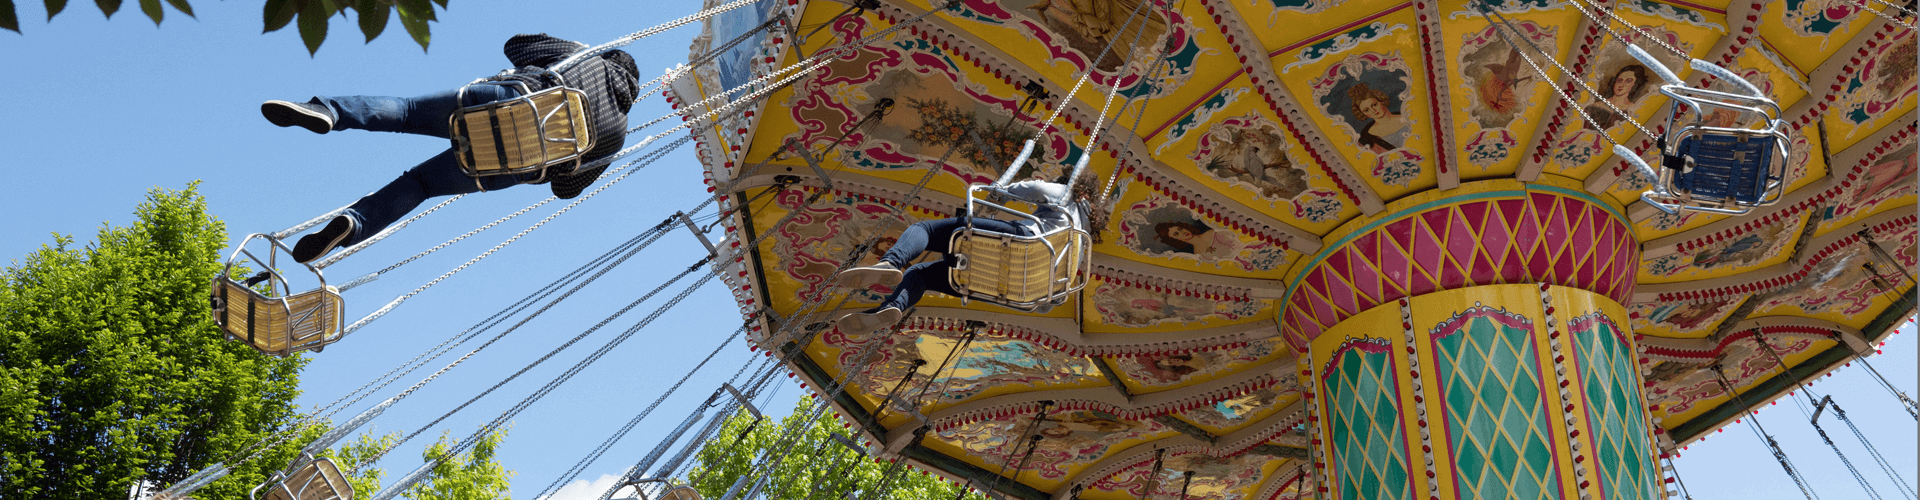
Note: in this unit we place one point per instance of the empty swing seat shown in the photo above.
(277, 325)
(1026, 273)
(680, 493)
(1717, 169)
(523, 134)
(1727, 166)
(319, 479)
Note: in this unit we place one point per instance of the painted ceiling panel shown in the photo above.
(1243, 160)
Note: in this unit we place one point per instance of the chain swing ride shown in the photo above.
(1705, 163)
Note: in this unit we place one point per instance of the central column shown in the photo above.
(1471, 343)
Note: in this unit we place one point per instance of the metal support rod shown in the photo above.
(1761, 431)
(1153, 478)
(712, 251)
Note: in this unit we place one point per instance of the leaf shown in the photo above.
(53, 7)
(153, 10)
(373, 17)
(443, 3)
(416, 27)
(8, 19)
(416, 8)
(277, 14)
(183, 6)
(313, 26)
(108, 7)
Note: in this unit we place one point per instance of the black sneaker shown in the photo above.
(311, 115)
(314, 245)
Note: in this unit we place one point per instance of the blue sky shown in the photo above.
(104, 110)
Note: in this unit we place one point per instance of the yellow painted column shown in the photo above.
(1471, 343)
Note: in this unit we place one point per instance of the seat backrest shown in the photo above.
(278, 326)
(523, 134)
(1018, 271)
(1728, 166)
(317, 480)
(680, 493)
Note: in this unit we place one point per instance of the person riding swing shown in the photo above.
(1057, 207)
(609, 86)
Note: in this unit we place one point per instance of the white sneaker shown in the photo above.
(862, 277)
(866, 323)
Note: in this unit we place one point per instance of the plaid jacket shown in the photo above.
(610, 82)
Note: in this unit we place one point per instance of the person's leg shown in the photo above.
(423, 115)
(921, 237)
(915, 282)
(436, 177)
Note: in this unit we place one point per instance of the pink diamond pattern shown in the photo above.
(1427, 250)
(1342, 295)
(1463, 244)
(1476, 214)
(1540, 238)
(1401, 231)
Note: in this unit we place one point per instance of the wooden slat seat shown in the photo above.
(317, 480)
(1021, 272)
(524, 134)
(680, 493)
(277, 326)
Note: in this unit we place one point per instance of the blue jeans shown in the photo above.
(439, 175)
(934, 236)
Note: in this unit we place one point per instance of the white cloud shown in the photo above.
(580, 489)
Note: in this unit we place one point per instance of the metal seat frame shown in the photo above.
(1683, 164)
(476, 167)
(1068, 263)
(281, 324)
(308, 478)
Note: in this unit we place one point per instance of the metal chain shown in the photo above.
(1892, 472)
(1884, 15)
(1616, 35)
(578, 367)
(1754, 424)
(383, 310)
(1506, 25)
(383, 234)
(462, 446)
(423, 382)
(1068, 100)
(260, 446)
(1760, 338)
(523, 370)
(811, 63)
(468, 234)
(636, 36)
(602, 449)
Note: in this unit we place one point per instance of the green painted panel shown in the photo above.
(1368, 444)
(1492, 387)
(1622, 439)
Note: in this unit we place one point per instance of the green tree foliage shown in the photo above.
(474, 474)
(113, 374)
(311, 16)
(816, 467)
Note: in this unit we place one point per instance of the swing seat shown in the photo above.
(680, 493)
(319, 479)
(1727, 166)
(277, 325)
(520, 135)
(1024, 273)
(1726, 170)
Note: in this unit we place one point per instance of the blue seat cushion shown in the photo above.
(1726, 167)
